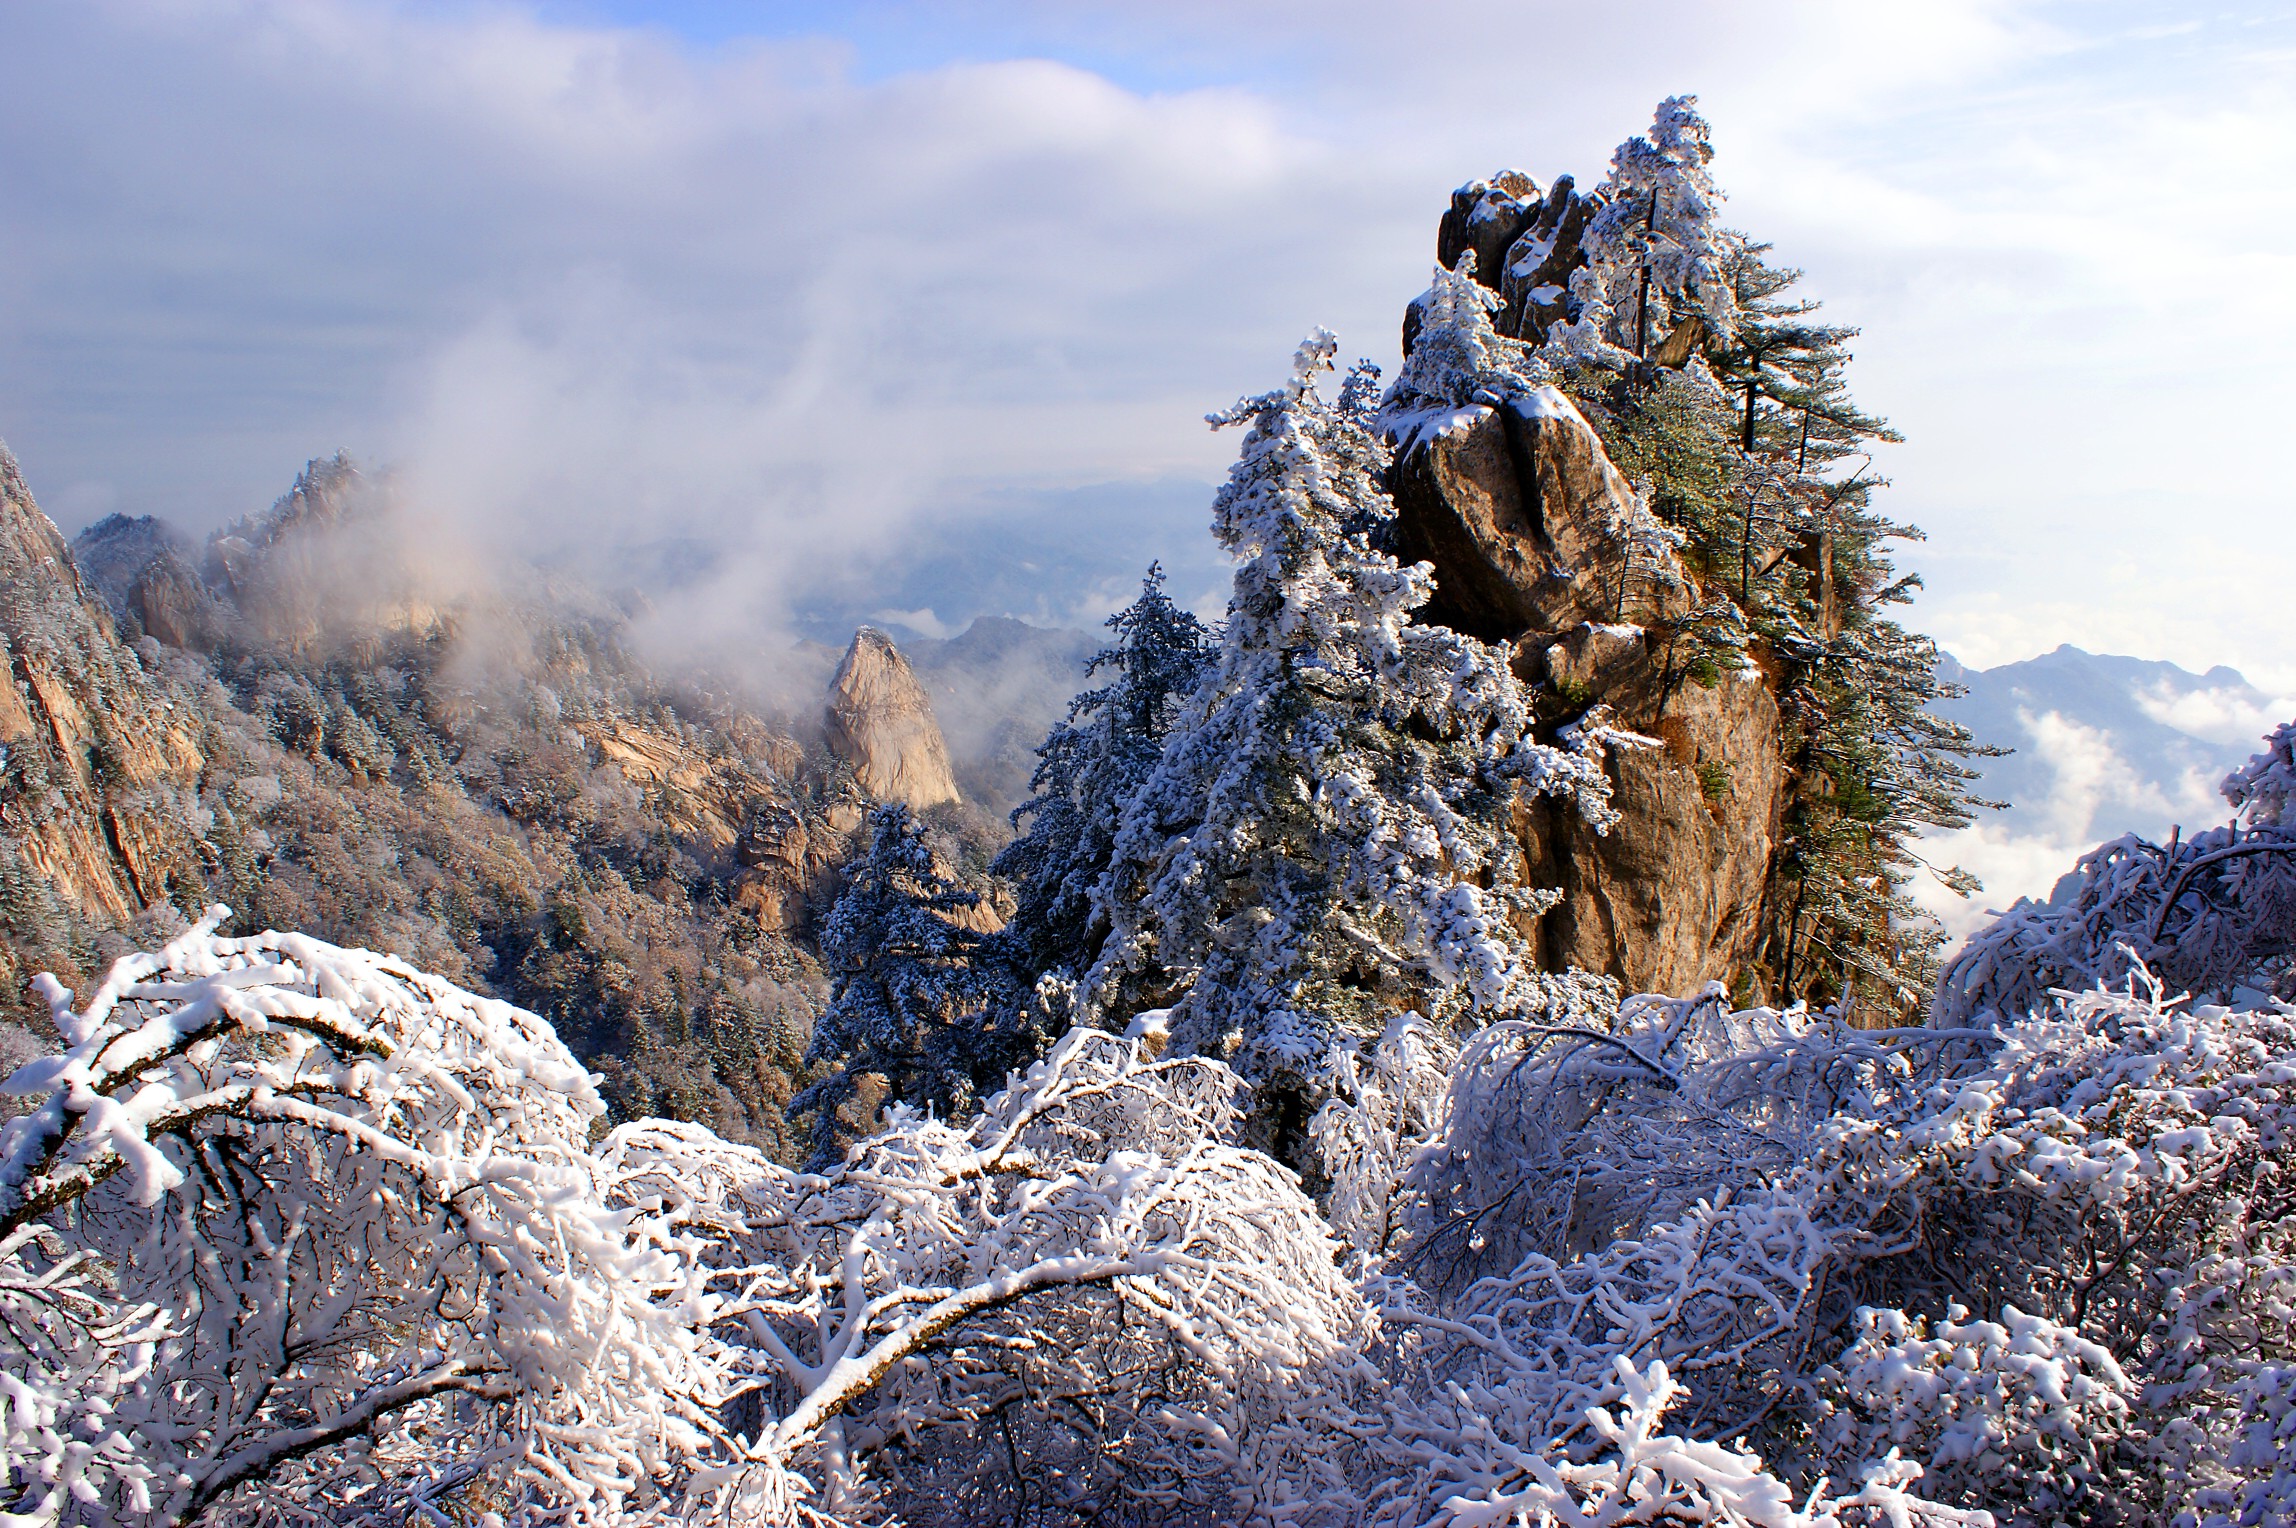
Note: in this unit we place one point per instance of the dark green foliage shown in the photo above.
(1760, 462)
(919, 1000)
(1784, 371)
(1087, 769)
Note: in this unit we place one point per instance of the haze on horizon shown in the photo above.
(789, 288)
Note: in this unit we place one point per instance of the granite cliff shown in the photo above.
(294, 718)
(1645, 504)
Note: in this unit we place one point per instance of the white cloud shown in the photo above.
(2219, 714)
(2093, 793)
(771, 294)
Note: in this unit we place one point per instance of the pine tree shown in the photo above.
(1324, 843)
(1777, 359)
(917, 997)
(1087, 768)
(1656, 257)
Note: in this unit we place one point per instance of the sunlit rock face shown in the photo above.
(881, 722)
(99, 792)
(1526, 522)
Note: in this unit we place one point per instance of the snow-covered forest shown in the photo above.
(1282, 1158)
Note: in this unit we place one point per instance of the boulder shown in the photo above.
(1672, 896)
(1487, 216)
(1535, 276)
(1527, 522)
(881, 722)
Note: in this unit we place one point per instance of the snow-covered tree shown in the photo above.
(288, 1224)
(1325, 842)
(2263, 790)
(299, 1234)
(1784, 368)
(1088, 767)
(920, 1001)
(1655, 253)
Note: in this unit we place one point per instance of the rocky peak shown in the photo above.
(881, 722)
(329, 492)
(328, 561)
(1538, 541)
(98, 788)
(114, 550)
(1526, 245)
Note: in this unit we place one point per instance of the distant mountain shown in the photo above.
(1061, 558)
(997, 688)
(2105, 745)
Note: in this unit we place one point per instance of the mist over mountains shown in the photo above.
(2104, 745)
(997, 608)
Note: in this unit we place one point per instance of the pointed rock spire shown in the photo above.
(881, 722)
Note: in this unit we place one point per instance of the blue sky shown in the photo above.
(1122, 45)
(814, 286)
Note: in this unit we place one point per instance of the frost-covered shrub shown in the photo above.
(299, 1230)
(2022, 1405)
(287, 1224)
(2049, 1266)
(298, 1223)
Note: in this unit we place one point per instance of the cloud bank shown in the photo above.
(774, 311)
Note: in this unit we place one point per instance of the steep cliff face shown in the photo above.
(494, 788)
(1537, 540)
(881, 722)
(99, 798)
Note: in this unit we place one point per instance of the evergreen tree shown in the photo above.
(1324, 843)
(1778, 359)
(1655, 255)
(1087, 768)
(917, 998)
(1756, 453)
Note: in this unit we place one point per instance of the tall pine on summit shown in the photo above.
(1324, 842)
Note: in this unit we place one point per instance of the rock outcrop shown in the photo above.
(99, 802)
(1528, 524)
(1673, 895)
(1533, 535)
(174, 606)
(112, 552)
(1526, 244)
(881, 722)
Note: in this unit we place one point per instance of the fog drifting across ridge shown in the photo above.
(2105, 746)
(611, 275)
